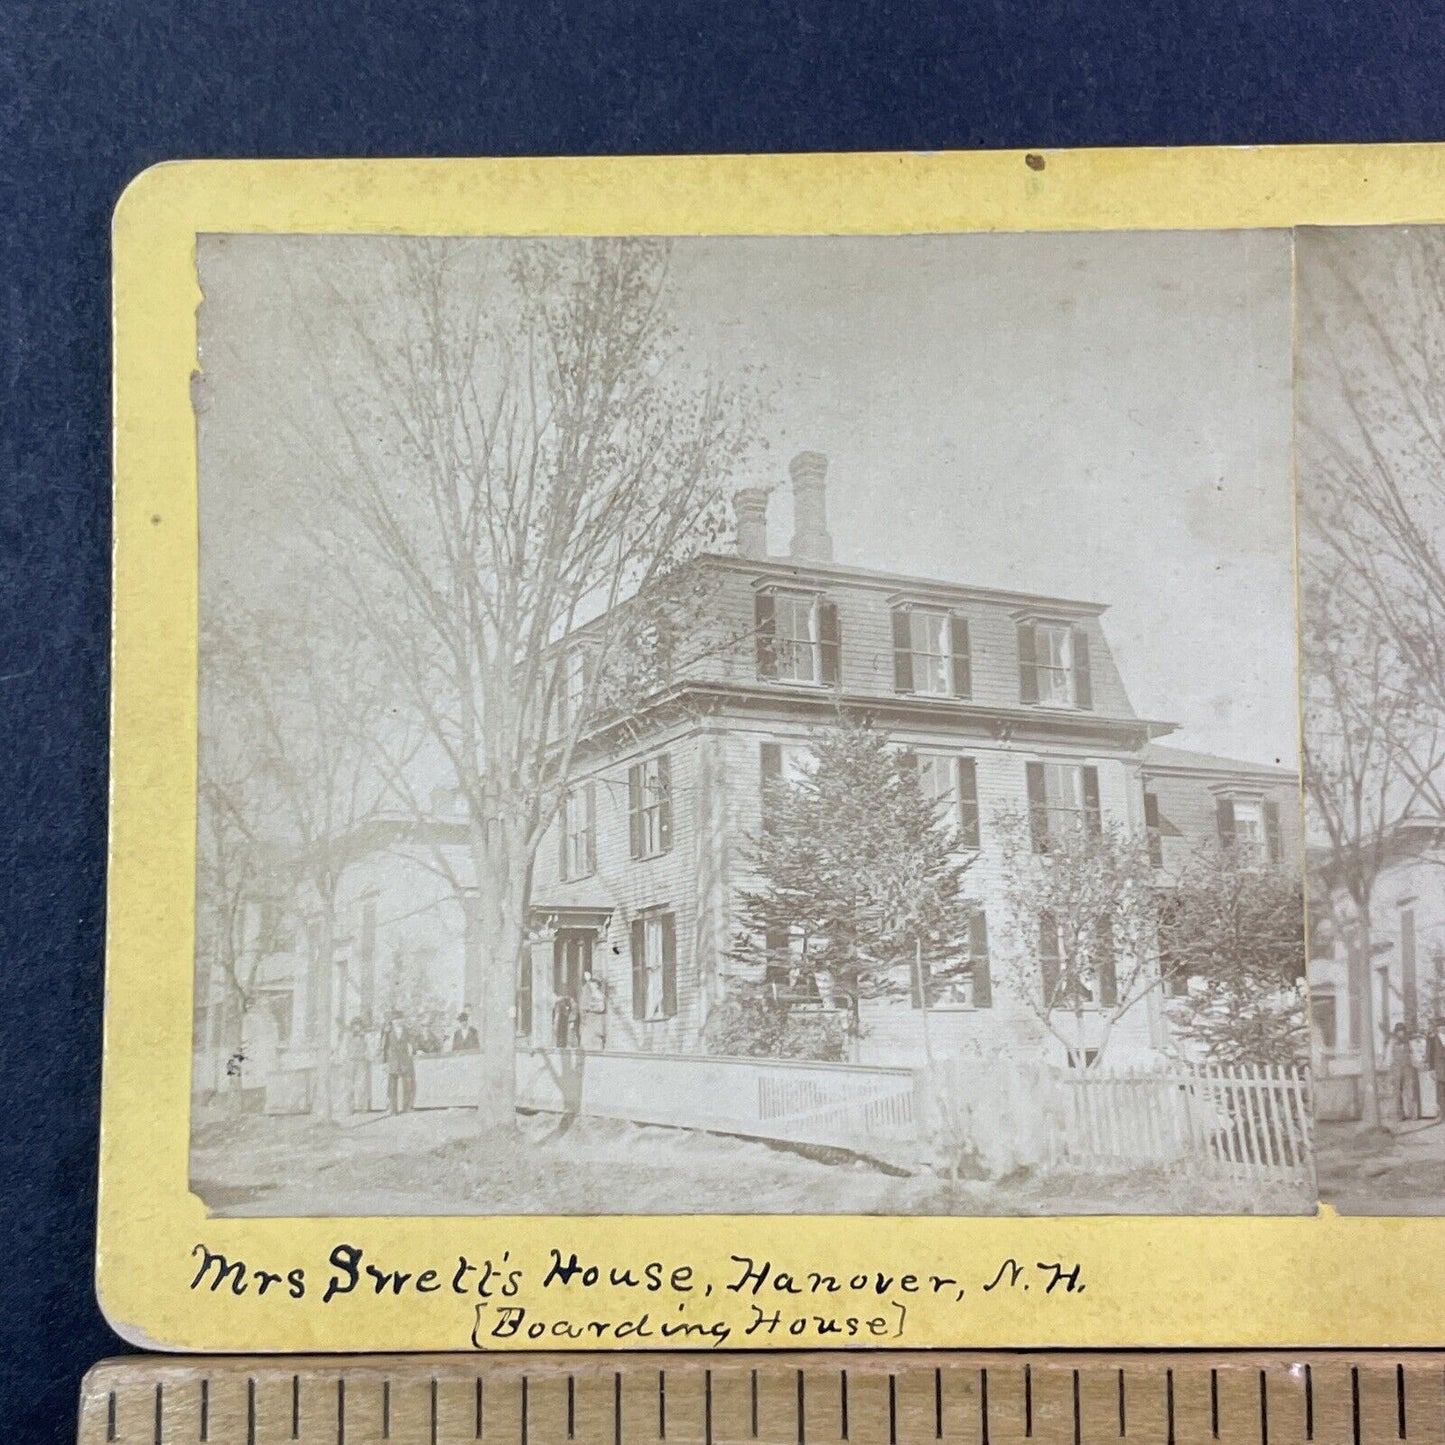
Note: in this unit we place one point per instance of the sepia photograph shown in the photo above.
(811, 725)
(1371, 382)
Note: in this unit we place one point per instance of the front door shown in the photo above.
(571, 960)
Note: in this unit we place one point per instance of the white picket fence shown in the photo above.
(1244, 1122)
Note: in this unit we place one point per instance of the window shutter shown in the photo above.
(1105, 965)
(1224, 811)
(765, 630)
(669, 964)
(634, 810)
(639, 970)
(1049, 957)
(902, 651)
(1038, 807)
(978, 957)
(1151, 829)
(772, 756)
(591, 850)
(968, 823)
(1093, 819)
(830, 645)
(524, 994)
(664, 802)
(962, 659)
(1083, 679)
(562, 839)
(1028, 664)
(1274, 842)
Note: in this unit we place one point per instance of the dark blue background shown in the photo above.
(92, 94)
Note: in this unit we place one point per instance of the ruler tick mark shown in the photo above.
(843, 1403)
(707, 1407)
(295, 1407)
(983, 1405)
(1309, 1404)
(1355, 1402)
(1123, 1417)
(755, 1405)
(110, 1418)
(478, 1433)
(159, 1409)
(938, 1404)
(1078, 1424)
(1400, 1400)
(1263, 1408)
(251, 1410)
(386, 1409)
(205, 1409)
(524, 1410)
(341, 1410)
(892, 1410)
(662, 1405)
(433, 1412)
(616, 1407)
(1028, 1402)
(571, 1407)
(1168, 1404)
(801, 1425)
(1214, 1403)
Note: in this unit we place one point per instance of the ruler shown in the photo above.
(861, 1398)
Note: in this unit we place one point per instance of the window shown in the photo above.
(1152, 829)
(798, 638)
(950, 783)
(1323, 1015)
(649, 807)
(654, 967)
(576, 680)
(1097, 963)
(578, 833)
(1054, 665)
(1062, 797)
(963, 984)
(1250, 828)
(931, 652)
(783, 764)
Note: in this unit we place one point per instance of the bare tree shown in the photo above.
(1371, 752)
(1083, 907)
(524, 459)
(294, 702)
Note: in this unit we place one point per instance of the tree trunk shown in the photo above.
(322, 1060)
(1364, 981)
(499, 907)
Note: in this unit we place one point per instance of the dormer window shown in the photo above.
(1054, 664)
(797, 638)
(931, 652)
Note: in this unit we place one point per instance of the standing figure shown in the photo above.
(465, 1040)
(1435, 1062)
(594, 1013)
(564, 1021)
(398, 1054)
(1404, 1081)
(358, 1068)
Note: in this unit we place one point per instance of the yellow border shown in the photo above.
(1149, 1281)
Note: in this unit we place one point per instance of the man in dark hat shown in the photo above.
(1404, 1080)
(465, 1040)
(398, 1054)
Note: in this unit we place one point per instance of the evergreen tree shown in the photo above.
(860, 878)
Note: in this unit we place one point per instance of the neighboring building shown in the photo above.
(1009, 701)
(1406, 975)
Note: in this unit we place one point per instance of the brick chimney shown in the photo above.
(750, 513)
(811, 539)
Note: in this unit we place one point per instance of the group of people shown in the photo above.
(1408, 1055)
(581, 1021)
(397, 1047)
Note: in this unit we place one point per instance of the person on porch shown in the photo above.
(594, 1014)
(398, 1054)
(1435, 1062)
(1404, 1080)
(466, 1040)
(564, 1021)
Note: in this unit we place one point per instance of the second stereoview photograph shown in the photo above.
(798, 725)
